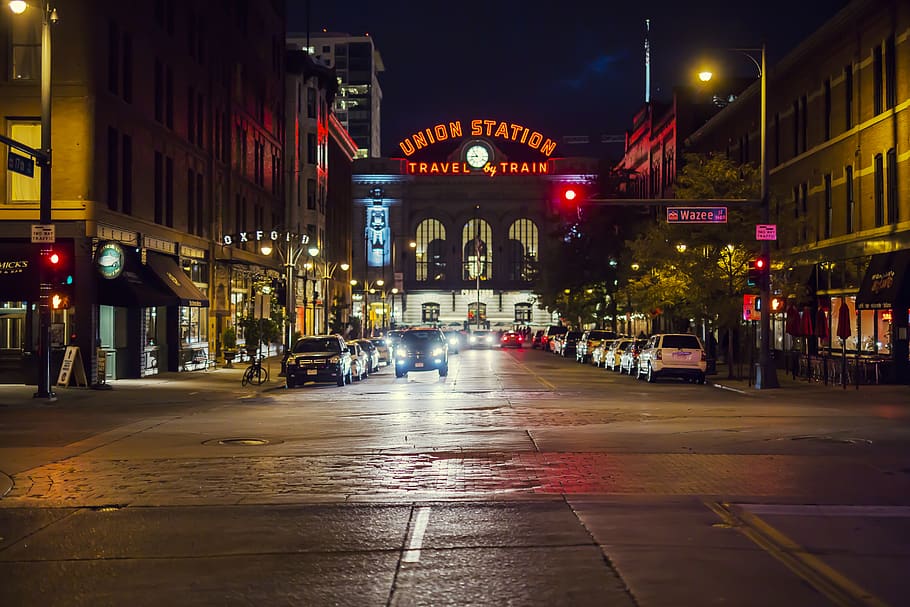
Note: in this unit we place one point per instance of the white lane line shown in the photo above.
(415, 543)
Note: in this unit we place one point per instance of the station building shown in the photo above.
(452, 227)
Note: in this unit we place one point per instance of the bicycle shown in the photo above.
(255, 374)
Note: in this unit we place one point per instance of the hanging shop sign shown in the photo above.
(495, 129)
(262, 235)
(109, 260)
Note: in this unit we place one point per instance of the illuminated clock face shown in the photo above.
(477, 156)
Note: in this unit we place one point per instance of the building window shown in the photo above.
(113, 145)
(169, 97)
(127, 68)
(22, 188)
(190, 203)
(429, 312)
(827, 117)
(169, 192)
(879, 191)
(113, 58)
(890, 74)
(804, 122)
(829, 211)
(851, 202)
(191, 114)
(523, 313)
(311, 148)
(430, 251)
(522, 249)
(891, 174)
(476, 250)
(796, 128)
(159, 188)
(877, 93)
(804, 209)
(311, 194)
(477, 311)
(848, 97)
(25, 48)
(311, 102)
(159, 91)
(126, 169)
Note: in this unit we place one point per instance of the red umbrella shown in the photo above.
(821, 325)
(793, 321)
(805, 325)
(844, 330)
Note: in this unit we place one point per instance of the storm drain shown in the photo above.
(240, 442)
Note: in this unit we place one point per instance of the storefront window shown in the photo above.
(193, 325)
(12, 325)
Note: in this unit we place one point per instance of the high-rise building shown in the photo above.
(357, 65)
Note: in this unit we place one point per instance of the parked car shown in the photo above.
(383, 349)
(613, 355)
(628, 360)
(590, 339)
(600, 351)
(548, 335)
(360, 361)
(536, 340)
(456, 339)
(422, 350)
(673, 355)
(481, 338)
(569, 344)
(372, 354)
(512, 339)
(318, 358)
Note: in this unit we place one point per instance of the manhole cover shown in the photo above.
(241, 442)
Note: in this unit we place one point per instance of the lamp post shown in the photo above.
(290, 255)
(368, 287)
(392, 313)
(328, 273)
(766, 372)
(48, 17)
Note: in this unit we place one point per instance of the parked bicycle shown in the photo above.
(255, 373)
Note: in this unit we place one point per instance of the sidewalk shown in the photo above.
(790, 386)
(218, 378)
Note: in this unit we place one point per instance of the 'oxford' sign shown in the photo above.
(261, 235)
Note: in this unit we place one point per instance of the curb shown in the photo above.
(731, 389)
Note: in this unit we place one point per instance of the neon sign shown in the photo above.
(509, 131)
(491, 169)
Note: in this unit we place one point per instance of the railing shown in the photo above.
(832, 370)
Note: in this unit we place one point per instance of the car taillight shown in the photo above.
(658, 354)
(703, 355)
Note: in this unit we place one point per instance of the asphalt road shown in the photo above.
(520, 479)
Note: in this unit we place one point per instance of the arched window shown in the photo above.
(430, 252)
(523, 313)
(522, 249)
(477, 258)
(429, 312)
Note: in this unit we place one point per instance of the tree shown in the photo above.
(698, 271)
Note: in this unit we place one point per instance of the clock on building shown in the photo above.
(477, 154)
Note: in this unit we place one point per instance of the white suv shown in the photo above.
(673, 355)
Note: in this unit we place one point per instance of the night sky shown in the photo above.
(567, 67)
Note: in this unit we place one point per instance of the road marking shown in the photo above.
(415, 541)
(829, 510)
(835, 586)
(546, 383)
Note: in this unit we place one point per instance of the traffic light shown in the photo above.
(58, 276)
(777, 305)
(758, 272)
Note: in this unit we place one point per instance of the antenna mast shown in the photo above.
(647, 62)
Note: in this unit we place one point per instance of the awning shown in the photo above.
(885, 282)
(135, 287)
(176, 280)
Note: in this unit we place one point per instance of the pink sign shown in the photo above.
(766, 231)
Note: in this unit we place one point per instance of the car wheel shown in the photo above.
(399, 373)
(289, 385)
(340, 379)
(701, 379)
(443, 371)
(650, 374)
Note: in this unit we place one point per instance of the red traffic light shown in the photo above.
(569, 194)
(53, 258)
(760, 263)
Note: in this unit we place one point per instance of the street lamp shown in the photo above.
(290, 256)
(766, 372)
(368, 287)
(49, 16)
(328, 273)
(392, 312)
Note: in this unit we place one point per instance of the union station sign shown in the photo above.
(494, 129)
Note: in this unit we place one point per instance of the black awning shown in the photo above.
(885, 282)
(136, 287)
(176, 280)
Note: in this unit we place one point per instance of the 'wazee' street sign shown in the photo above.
(696, 214)
(20, 164)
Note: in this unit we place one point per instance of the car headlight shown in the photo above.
(453, 341)
(473, 339)
(437, 352)
(335, 360)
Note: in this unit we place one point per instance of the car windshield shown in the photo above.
(689, 342)
(600, 334)
(418, 338)
(317, 344)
